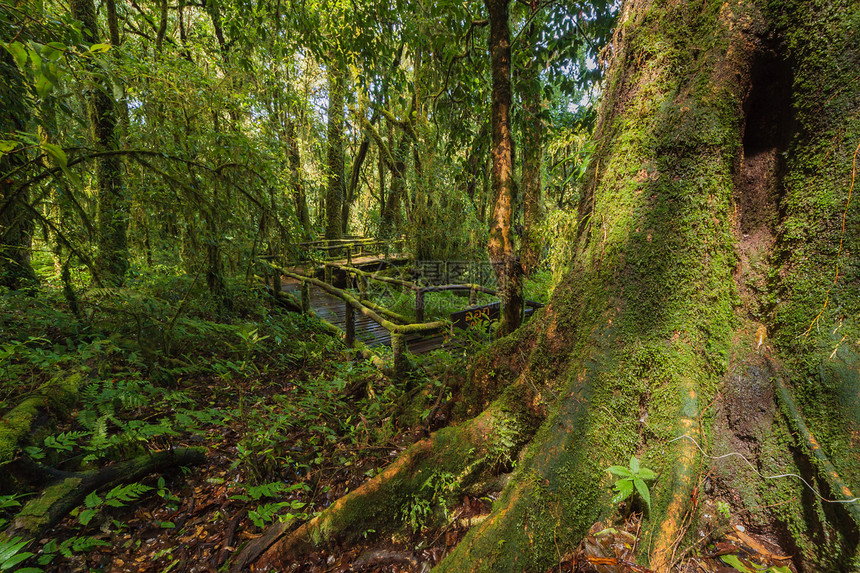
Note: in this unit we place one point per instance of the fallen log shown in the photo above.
(58, 499)
(56, 397)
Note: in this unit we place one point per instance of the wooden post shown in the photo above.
(350, 325)
(473, 297)
(349, 254)
(327, 273)
(362, 287)
(419, 305)
(306, 297)
(398, 349)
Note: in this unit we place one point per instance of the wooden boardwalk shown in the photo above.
(367, 330)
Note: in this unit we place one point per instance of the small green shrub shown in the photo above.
(630, 478)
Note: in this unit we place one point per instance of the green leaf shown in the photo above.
(93, 500)
(634, 464)
(642, 488)
(10, 547)
(19, 52)
(734, 561)
(43, 86)
(86, 516)
(57, 154)
(624, 487)
(647, 473)
(14, 560)
(619, 471)
(99, 48)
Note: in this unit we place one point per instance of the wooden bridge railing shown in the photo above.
(396, 324)
(365, 277)
(350, 247)
(372, 311)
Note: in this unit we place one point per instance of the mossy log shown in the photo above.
(62, 496)
(55, 397)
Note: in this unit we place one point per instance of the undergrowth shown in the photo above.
(291, 419)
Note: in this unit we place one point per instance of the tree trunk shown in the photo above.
(716, 252)
(391, 208)
(296, 178)
(501, 246)
(335, 190)
(532, 153)
(112, 246)
(16, 223)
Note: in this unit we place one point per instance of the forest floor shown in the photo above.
(289, 421)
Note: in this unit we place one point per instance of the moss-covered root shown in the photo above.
(466, 453)
(56, 396)
(58, 499)
(813, 448)
(671, 529)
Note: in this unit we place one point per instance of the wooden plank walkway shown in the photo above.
(367, 330)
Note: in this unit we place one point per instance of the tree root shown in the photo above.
(58, 499)
(671, 529)
(811, 445)
(56, 396)
(466, 452)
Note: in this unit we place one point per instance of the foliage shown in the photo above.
(116, 497)
(431, 496)
(11, 554)
(633, 476)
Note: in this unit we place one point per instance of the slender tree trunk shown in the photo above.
(16, 222)
(352, 187)
(112, 245)
(532, 154)
(335, 189)
(296, 179)
(391, 208)
(501, 246)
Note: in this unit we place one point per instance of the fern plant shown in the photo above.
(117, 497)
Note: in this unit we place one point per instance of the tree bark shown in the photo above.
(112, 243)
(16, 224)
(335, 190)
(501, 246)
(296, 178)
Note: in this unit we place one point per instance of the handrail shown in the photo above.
(397, 331)
(420, 290)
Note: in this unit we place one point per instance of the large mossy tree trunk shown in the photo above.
(701, 224)
(702, 267)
